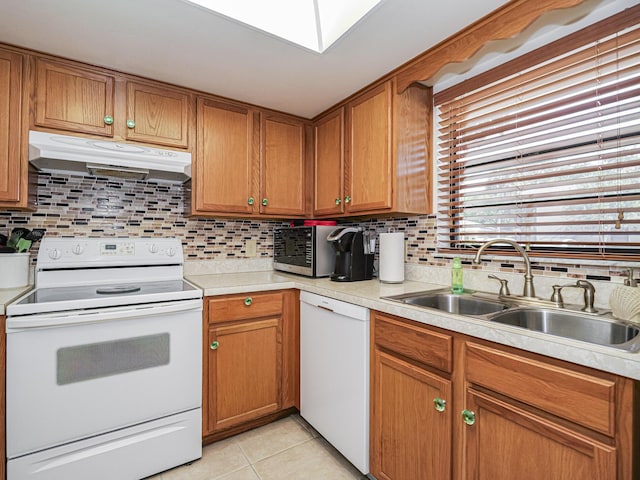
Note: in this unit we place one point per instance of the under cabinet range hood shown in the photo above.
(49, 152)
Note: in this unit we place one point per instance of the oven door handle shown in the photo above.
(76, 317)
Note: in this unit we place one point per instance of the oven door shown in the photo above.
(74, 375)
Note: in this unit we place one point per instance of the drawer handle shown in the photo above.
(214, 345)
(439, 404)
(108, 120)
(468, 417)
(248, 301)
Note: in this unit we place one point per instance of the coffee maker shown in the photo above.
(352, 263)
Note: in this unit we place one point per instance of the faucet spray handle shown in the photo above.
(556, 297)
(504, 287)
(630, 281)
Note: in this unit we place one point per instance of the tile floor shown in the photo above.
(283, 450)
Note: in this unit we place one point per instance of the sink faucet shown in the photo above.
(630, 281)
(589, 295)
(528, 290)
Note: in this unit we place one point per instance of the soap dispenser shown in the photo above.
(456, 276)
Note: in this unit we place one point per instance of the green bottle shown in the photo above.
(456, 276)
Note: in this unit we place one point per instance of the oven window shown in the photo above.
(96, 360)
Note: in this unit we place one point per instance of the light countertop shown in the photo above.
(8, 295)
(368, 293)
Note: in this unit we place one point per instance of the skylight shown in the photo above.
(313, 24)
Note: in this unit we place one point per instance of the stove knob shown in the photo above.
(55, 254)
(153, 248)
(77, 249)
(171, 251)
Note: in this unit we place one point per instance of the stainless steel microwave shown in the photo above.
(304, 250)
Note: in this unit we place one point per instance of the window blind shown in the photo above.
(546, 149)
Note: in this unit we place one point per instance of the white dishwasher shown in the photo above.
(334, 374)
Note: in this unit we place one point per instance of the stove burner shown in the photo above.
(116, 290)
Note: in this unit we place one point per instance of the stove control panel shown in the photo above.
(118, 248)
(56, 252)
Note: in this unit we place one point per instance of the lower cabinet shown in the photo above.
(410, 402)
(3, 373)
(245, 371)
(511, 442)
(535, 417)
(445, 406)
(250, 359)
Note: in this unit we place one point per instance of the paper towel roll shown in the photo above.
(391, 263)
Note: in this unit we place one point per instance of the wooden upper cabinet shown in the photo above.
(282, 166)
(225, 158)
(12, 163)
(369, 166)
(248, 162)
(73, 99)
(329, 164)
(387, 154)
(96, 101)
(157, 115)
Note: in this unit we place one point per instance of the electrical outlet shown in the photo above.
(251, 248)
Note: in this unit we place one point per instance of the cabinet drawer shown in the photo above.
(245, 306)
(415, 342)
(581, 398)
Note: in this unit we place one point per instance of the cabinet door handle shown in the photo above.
(468, 417)
(265, 202)
(338, 201)
(214, 345)
(347, 199)
(439, 404)
(108, 120)
(131, 124)
(251, 201)
(248, 301)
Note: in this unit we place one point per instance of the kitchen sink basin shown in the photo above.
(452, 303)
(571, 324)
(576, 326)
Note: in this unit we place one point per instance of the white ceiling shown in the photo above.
(177, 42)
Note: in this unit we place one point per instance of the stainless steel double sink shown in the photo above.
(599, 329)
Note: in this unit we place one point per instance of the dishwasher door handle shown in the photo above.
(325, 308)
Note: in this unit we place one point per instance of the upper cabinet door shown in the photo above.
(225, 158)
(73, 99)
(11, 71)
(157, 115)
(329, 165)
(369, 174)
(282, 166)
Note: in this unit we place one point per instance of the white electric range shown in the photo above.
(104, 362)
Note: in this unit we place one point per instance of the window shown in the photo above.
(545, 150)
(313, 24)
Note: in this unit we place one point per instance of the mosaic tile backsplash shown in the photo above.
(71, 205)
